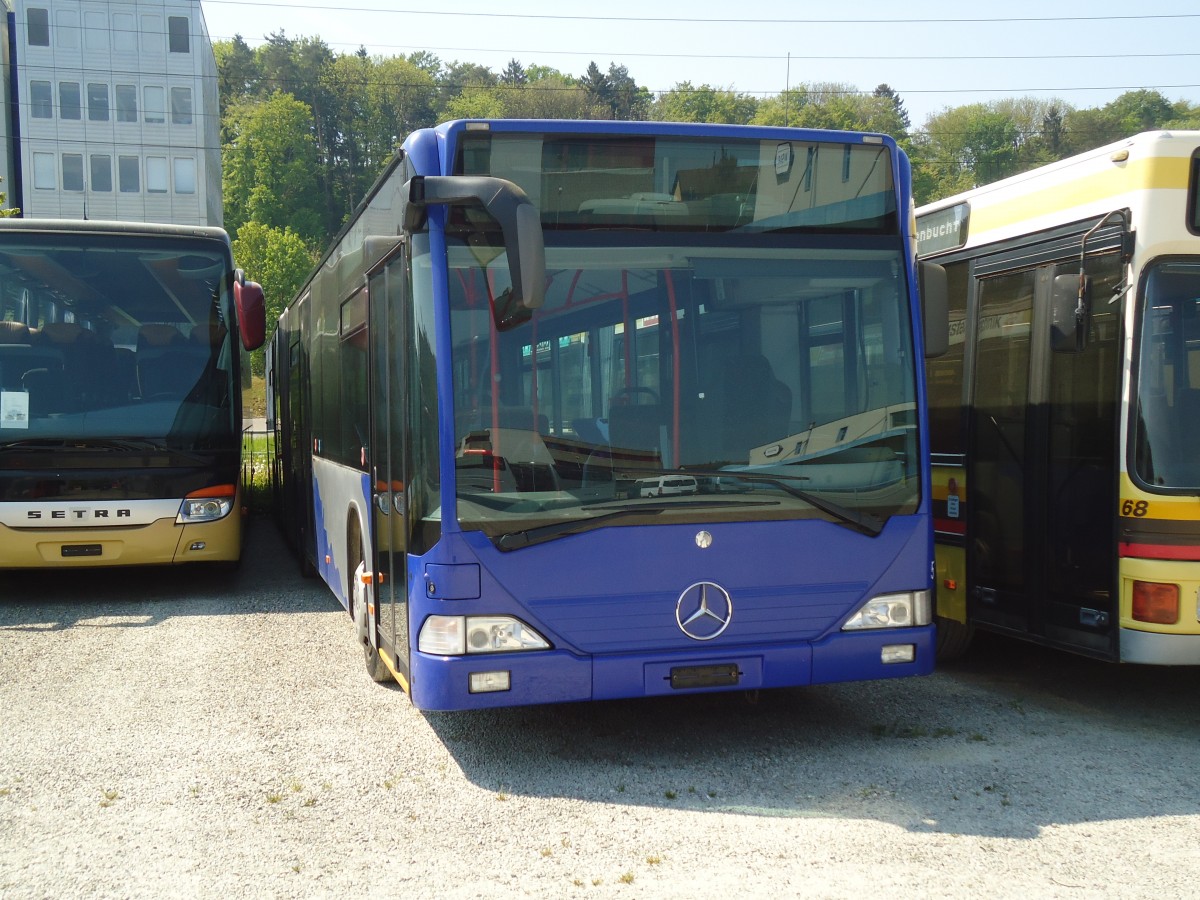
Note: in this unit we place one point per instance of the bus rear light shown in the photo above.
(1157, 604)
(460, 635)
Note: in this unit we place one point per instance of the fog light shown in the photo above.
(898, 653)
(488, 682)
(1155, 603)
(198, 545)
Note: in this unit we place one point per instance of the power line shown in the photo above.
(759, 57)
(712, 21)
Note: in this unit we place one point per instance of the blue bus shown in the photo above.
(585, 410)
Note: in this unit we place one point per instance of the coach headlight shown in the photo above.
(206, 505)
(892, 611)
(460, 635)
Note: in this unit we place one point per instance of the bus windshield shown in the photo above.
(707, 378)
(115, 339)
(1167, 430)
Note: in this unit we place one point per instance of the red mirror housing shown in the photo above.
(251, 310)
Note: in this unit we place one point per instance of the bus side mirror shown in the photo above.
(935, 308)
(1070, 313)
(520, 223)
(251, 309)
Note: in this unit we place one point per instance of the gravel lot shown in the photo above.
(183, 734)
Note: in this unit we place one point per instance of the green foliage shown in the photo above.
(279, 260)
(269, 167)
(7, 213)
(685, 103)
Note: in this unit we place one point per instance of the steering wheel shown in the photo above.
(631, 392)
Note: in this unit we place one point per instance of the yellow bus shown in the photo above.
(1065, 420)
(120, 398)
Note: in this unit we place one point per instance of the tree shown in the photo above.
(684, 103)
(270, 168)
(885, 92)
(238, 74)
(628, 101)
(514, 74)
(7, 213)
(278, 260)
(962, 148)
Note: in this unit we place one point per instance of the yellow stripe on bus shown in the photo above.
(387, 661)
(1152, 173)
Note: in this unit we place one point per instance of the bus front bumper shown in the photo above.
(557, 676)
(160, 543)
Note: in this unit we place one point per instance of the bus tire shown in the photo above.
(359, 600)
(953, 639)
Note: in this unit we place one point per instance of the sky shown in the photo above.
(934, 55)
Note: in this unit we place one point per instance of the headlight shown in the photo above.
(203, 509)
(460, 635)
(892, 611)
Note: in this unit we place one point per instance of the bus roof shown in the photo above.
(102, 227)
(1080, 187)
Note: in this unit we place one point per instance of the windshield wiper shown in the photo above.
(513, 540)
(92, 445)
(867, 523)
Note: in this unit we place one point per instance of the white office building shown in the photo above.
(115, 111)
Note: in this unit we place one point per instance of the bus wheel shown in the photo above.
(953, 639)
(376, 667)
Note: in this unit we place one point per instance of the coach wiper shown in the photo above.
(867, 523)
(519, 222)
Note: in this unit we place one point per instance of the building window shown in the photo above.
(69, 104)
(101, 172)
(126, 96)
(152, 34)
(177, 34)
(97, 102)
(156, 174)
(124, 32)
(95, 31)
(185, 175)
(155, 112)
(181, 106)
(41, 101)
(43, 171)
(72, 171)
(66, 32)
(37, 27)
(127, 174)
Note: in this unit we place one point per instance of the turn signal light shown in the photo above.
(1156, 603)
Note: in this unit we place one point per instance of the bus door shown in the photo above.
(387, 304)
(299, 520)
(1042, 481)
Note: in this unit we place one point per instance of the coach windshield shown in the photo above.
(115, 341)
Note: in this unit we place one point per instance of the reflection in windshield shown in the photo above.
(712, 382)
(113, 340)
(1167, 429)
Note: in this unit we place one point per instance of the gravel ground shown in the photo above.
(182, 734)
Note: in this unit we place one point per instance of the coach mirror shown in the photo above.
(251, 309)
(935, 308)
(519, 222)
(1070, 312)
